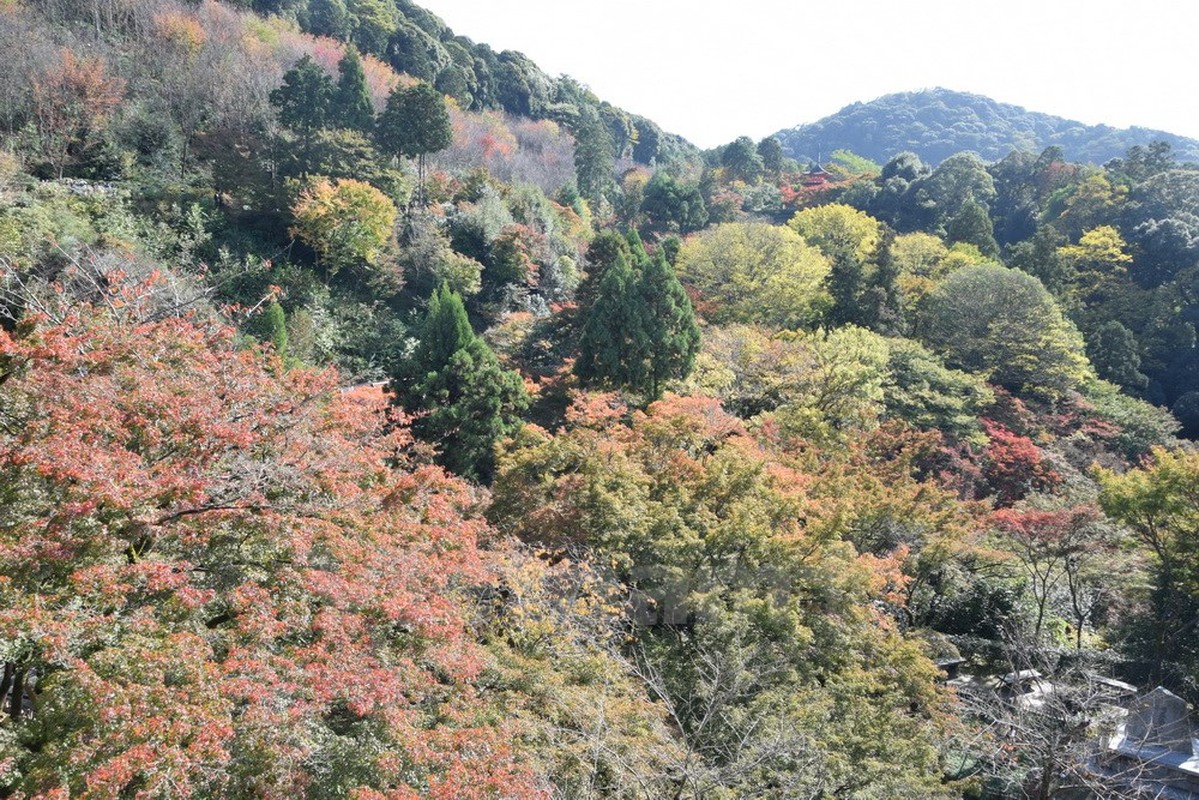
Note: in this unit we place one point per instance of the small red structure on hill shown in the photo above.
(816, 176)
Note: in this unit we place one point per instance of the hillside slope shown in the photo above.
(937, 123)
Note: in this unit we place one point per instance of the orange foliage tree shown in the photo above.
(219, 578)
(72, 100)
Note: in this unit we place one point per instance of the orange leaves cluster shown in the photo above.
(218, 569)
(72, 100)
(1063, 528)
(79, 88)
(181, 30)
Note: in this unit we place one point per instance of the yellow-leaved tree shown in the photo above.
(348, 223)
(753, 272)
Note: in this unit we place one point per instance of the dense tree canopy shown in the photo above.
(595, 155)
(674, 206)
(222, 579)
(226, 575)
(753, 272)
(640, 331)
(414, 123)
(347, 222)
(351, 105)
(734, 578)
(1002, 323)
(304, 98)
(838, 229)
(937, 123)
(1158, 503)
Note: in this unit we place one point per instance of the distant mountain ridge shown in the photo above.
(937, 123)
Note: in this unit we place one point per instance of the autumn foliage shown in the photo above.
(1014, 466)
(72, 100)
(692, 509)
(347, 222)
(758, 626)
(222, 579)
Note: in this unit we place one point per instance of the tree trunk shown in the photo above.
(7, 682)
(183, 152)
(420, 180)
(16, 700)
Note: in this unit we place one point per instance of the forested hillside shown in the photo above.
(936, 123)
(383, 418)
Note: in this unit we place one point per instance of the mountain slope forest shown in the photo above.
(381, 417)
(936, 123)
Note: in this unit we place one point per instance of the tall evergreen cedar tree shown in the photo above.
(352, 107)
(464, 401)
(882, 299)
(846, 282)
(304, 98)
(607, 350)
(640, 332)
(594, 156)
(415, 122)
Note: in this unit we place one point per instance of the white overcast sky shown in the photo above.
(712, 70)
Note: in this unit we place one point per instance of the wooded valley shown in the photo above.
(382, 417)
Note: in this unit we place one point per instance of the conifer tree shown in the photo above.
(304, 98)
(601, 255)
(594, 156)
(640, 256)
(415, 122)
(464, 400)
(446, 329)
(640, 330)
(846, 282)
(882, 302)
(352, 107)
(272, 327)
(668, 325)
(1113, 351)
(606, 354)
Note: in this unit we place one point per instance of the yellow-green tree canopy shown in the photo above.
(756, 624)
(823, 386)
(920, 259)
(816, 386)
(1160, 505)
(838, 228)
(923, 260)
(753, 272)
(347, 222)
(1096, 263)
(1094, 201)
